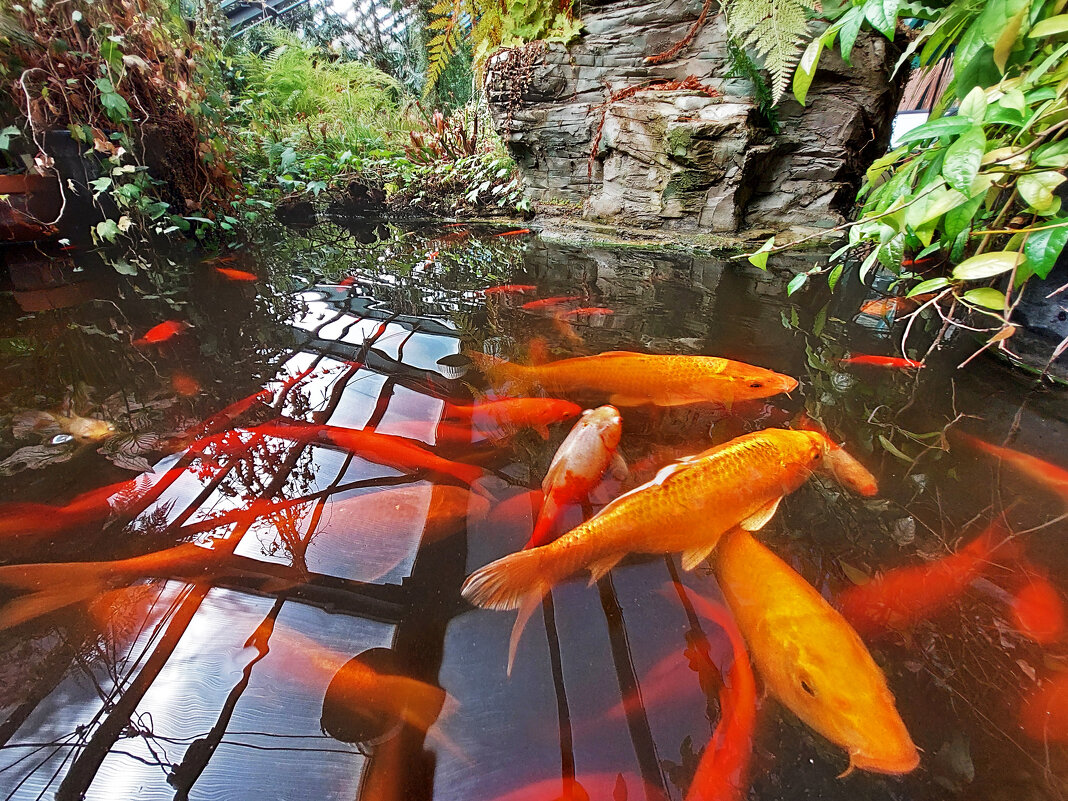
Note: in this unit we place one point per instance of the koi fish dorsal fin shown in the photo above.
(695, 556)
(613, 354)
(760, 518)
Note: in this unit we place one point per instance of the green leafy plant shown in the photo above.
(775, 31)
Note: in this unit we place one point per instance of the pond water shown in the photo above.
(218, 673)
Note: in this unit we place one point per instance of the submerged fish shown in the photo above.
(587, 452)
(83, 429)
(508, 289)
(161, 333)
(587, 311)
(809, 657)
(1037, 609)
(902, 597)
(686, 507)
(236, 275)
(516, 232)
(494, 418)
(881, 361)
(1050, 476)
(721, 773)
(1044, 714)
(636, 379)
(545, 303)
(184, 384)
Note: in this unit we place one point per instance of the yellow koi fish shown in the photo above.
(810, 658)
(637, 379)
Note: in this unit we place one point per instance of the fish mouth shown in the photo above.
(902, 761)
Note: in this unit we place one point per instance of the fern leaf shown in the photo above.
(449, 17)
(776, 30)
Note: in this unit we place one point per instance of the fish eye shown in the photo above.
(756, 384)
(808, 688)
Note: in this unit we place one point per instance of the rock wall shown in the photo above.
(681, 159)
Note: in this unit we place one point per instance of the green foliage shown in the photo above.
(774, 30)
(489, 24)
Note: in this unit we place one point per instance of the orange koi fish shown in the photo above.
(396, 452)
(685, 508)
(1048, 475)
(492, 417)
(587, 311)
(721, 773)
(517, 232)
(509, 289)
(636, 379)
(902, 597)
(545, 303)
(348, 280)
(587, 452)
(586, 786)
(882, 361)
(810, 658)
(1044, 714)
(236, 275)
(161, 333)
(49, 587)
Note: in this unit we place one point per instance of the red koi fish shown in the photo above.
(902, 597)
(431, 255)
(1044, 714)
(589, 450)
(494, 417)
(236, 275)
(161, 333)
(882, 361)
(721, 773)
(1050, 476)
(348, 280)
(545, 303)
(509, 289)
(1037, 610)
(395, 452)
(587, 311)
(516, 232)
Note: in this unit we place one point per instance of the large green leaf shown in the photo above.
(943, 126)
(1037, 190)
(963, 158)
(930, 285)
(986, 265)
(932, 206)
(1053, 155)
(882, 14)
(1043, 247)
(1053, 26)
(987, 297)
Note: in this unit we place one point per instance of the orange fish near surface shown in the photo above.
(636, 379)
(236, 275)
(1048, 475)
(882, 361)
(1037, 609)
(686, 507)
(161, 333)
(809, 657)
(494, 418)
(508, 289)
(587, 311)
(545, 303)
(902, 597)
(517, 232)
(721, 773)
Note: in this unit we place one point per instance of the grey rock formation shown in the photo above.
(681, 159)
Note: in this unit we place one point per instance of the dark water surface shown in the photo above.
(208, 683)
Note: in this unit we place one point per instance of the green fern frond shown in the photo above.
(776, 30)
(447, 18)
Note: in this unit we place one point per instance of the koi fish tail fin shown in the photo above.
(422, 704)
(48, 588)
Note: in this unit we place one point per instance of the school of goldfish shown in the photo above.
(807, 653)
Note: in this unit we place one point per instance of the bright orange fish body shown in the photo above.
(685, 508)
(236, 275)
(636, 379)
(161, 333)
(1044, 715)
(587, 452)
(495, 418)
(1051, 476)
(810, 658)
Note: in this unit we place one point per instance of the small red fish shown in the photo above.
(161, 333)
(902, 597)
(884, 307)
(721, 773)
(517, 232)
(882, 361)
(431, 255)
(509, 289)
(545, 303)
(590, 311)
(185, 384)
(1038, 611)
(1044, 715)
(1050, 476)
(236, 275)
(347, 281)
(493, 418)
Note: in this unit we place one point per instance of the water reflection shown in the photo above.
(222, 678)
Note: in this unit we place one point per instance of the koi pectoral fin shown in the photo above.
(760, 518)
(695, 556)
